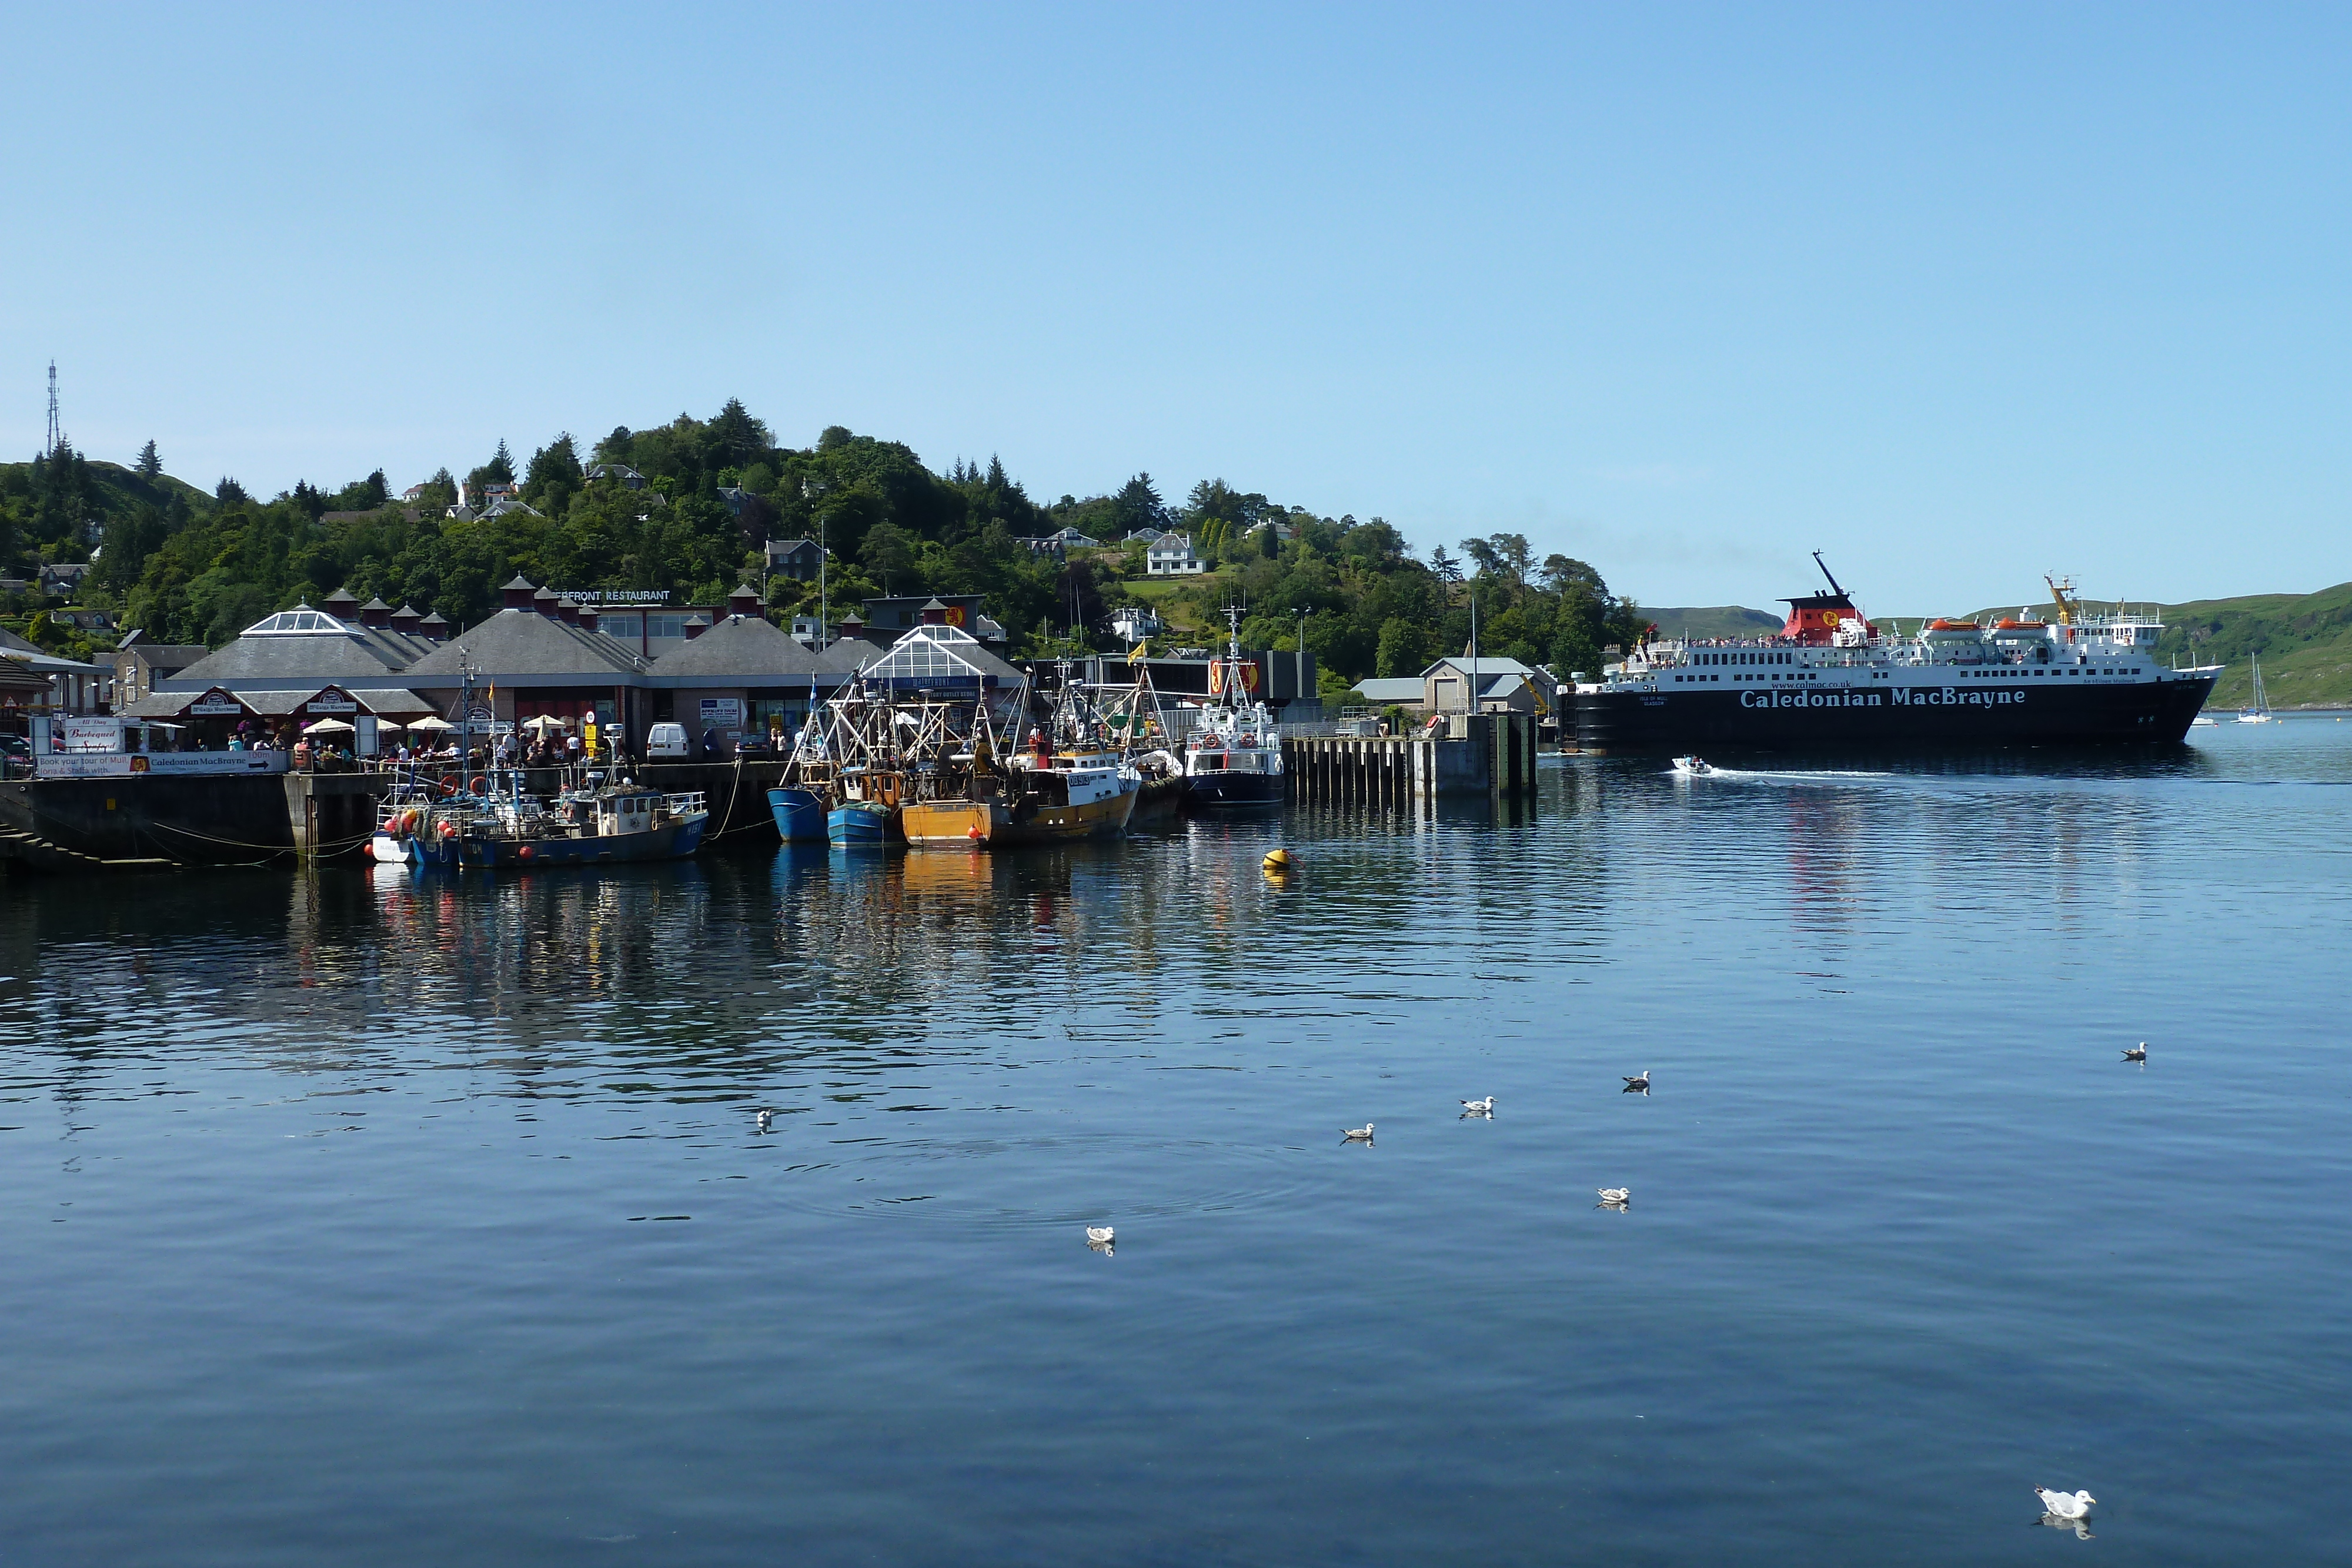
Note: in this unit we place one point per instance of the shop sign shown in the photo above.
(216, 704)
(83, 732)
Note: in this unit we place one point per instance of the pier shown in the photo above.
(1492, 754)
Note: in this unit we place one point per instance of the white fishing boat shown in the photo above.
(1693, 766)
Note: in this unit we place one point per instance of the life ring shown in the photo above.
(477, 784)
(448, 787)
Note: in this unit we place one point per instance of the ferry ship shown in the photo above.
(1831, 678)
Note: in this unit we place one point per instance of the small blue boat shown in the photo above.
(858, 824)
(800, 815)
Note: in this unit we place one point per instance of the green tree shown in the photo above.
(151, 465)
(887, 551)
(1403, 648)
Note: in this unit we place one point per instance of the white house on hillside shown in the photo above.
(1171, 554)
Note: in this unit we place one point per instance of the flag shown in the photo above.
(1139, 650)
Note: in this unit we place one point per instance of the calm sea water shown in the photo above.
(362, 1218)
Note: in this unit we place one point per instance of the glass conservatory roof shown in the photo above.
(300, 620)
(932, 656)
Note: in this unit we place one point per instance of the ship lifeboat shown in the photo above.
(2014, 628)
(1953, 630)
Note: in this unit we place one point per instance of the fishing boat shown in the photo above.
(1069, 784)
(2261, 711)
(858, 824)
(1693, 766)
(595, 825)
(1234, 757)
(1135, 724)
(802, 802)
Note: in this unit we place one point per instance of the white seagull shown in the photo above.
(1615, 1197)
(1637, 1085)
(1362, 1134)
(764, 1117)
(1101, 1234)
(2065, 1504)
(2135, 1052)
(1480, 1107)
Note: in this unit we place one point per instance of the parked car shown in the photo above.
(667, 742)
(15, 746)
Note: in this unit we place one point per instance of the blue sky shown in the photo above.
(1954, 295)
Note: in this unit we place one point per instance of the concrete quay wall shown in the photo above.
(1489, 754)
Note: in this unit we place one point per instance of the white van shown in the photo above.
(666, 741)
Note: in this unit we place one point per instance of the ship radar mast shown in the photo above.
(1826, 572)
(2063, 594)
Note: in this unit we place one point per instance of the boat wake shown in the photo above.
(1788, 776)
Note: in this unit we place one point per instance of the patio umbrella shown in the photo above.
(326, 726)
(383, 723)
(429, 722)
(544, 721)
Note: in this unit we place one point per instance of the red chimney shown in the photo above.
(745, 601)
(517, 594)
(544, 602)
(376, 613)
(569, 612)
(695, 627)
(587, 618)
(935, 613)
(404, 620)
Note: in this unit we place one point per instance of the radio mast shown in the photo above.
(56, 439)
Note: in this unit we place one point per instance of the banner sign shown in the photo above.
(612, 595)
(119, 764)
(85, 732)
(722, 713)
(216, 704)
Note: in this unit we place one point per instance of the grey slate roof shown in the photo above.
(168, 658)
(280, 659)
(743, 650)
(523, 646)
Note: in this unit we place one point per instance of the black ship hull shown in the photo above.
(1230, 789)
(2139, 713)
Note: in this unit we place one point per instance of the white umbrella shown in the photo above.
(429, 722)
(326, 726)
(544, 721)
(389, 724)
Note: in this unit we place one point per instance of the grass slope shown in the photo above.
(2304, 641)
(119, 488)
(1722, 621)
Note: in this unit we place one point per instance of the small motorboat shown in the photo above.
(1693, 766)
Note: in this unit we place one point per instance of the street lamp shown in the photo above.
(1299, 693)
(812, 491)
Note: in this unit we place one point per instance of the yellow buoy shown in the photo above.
(1278, 860)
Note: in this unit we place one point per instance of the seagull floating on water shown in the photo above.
(1101, 1234)
(1638, 1085)
(2066, 1505)
(2135, 1052)
(764, 1117)
(1362, 1134)
(1480, 1107)
(1615, 1197)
